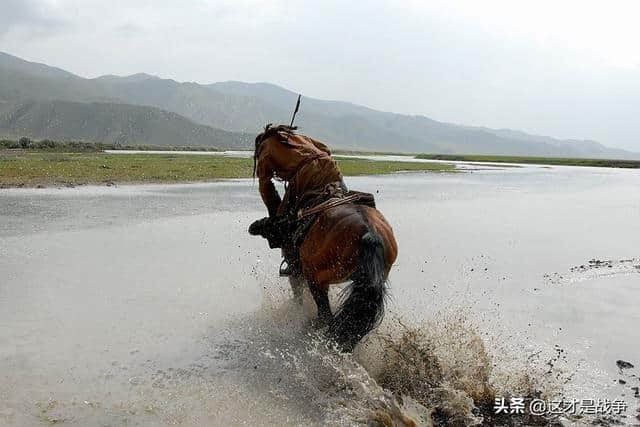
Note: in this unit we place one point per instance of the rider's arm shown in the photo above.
(265, 171)
(270, 195)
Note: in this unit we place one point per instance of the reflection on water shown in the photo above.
(151, 304)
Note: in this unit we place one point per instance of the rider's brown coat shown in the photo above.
(302, 162)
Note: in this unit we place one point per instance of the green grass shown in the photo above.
(352, 167)
(535, 160)
(37, 168)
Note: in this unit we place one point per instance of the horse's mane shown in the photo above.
(269, 131)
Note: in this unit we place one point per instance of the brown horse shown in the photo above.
(344, 242)
(348, 242)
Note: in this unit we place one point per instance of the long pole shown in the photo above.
(295, 111)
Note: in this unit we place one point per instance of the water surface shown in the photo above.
(150, 304)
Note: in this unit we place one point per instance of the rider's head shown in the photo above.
(268, 132)
(259, 140)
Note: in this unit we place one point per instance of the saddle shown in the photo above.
(355, 197)
(292, 230)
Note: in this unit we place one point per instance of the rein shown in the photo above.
(328, 204)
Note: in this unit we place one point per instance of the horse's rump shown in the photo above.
(349, 243)
(329, 252)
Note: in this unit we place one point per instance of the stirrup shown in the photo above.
(285, 271)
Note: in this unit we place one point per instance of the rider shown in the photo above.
(308, 171)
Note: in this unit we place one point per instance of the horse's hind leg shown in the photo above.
(297, 286)
(321, 297)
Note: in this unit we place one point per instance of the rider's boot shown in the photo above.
(286, 269)
(289, 265)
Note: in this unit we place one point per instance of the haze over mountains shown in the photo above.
(46, 102)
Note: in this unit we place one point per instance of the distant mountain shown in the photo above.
(13, 63)
(579, 147)
(112, 123)
(244, 108)
(398, 132)
(132, 78)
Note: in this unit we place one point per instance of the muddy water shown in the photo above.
(147, 305)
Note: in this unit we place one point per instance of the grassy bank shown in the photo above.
(42, 168)
(535, 160)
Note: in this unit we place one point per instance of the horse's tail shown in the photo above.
(363, 305)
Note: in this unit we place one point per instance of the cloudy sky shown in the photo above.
(569, 69)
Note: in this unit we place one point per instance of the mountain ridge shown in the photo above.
(112, 123)
(244, 108)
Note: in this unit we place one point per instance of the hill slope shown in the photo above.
(246, 107)
(416, 133)
(112, 123)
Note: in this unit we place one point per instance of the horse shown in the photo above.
(347, 242)
(343, 239)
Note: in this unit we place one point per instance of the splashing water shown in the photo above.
(442, 371)
(271, 367)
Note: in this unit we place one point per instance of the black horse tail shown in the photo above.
(364, 299)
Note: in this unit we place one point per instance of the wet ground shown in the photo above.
(146, 305)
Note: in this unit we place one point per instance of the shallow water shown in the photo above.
(150, 304)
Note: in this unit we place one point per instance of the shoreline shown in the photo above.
(71, 185)
(534, 160)
(67, 170)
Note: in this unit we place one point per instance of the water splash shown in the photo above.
(443, 371)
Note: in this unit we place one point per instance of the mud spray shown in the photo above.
(444, 370)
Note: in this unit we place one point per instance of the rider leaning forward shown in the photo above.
(309, 174)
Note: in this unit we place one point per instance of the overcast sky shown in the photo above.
(568, 69)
